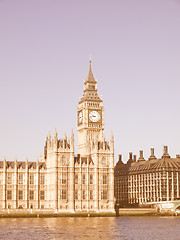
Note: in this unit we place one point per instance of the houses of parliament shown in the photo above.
(88, 181)
(59, 180)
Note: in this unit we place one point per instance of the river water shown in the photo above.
(91, 228)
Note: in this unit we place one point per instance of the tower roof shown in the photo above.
(90, 77)
(90, 88)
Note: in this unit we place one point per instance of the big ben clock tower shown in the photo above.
(90, 115)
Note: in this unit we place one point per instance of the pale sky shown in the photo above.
(44, 60)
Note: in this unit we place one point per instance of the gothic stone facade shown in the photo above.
(147, 181)
(59, 180)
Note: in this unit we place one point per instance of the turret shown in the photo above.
(49, 140)
(65, 141)
(112, 142)
(72, 141)
(55, 139)
(49, 135)
(65, 136)
(37, 164)
(55, 133)
(4, 163)
(16, 167)
(26, 164)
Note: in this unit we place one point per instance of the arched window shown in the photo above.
(64, 160)
(104, 161)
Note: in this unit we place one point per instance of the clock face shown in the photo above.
(94, 116)
(80, 117)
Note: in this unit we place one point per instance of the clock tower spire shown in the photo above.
(90, 77)
(90, 87)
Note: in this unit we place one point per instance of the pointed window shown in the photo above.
(104, 160)
(91, 194)
(63, 195)
(42, 195)
(84, 195)
(20, 193)
(9, 178)
(20, 178)
(76, 178)
(31, 179)
(83, 179)
(63, 178)
(31, 195)
(64, 161)
(76, 195)
(9, 195)
(104, 195)
(91, 179)
(42, 179)
(105, 179)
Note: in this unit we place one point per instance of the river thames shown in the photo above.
(91, 228)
